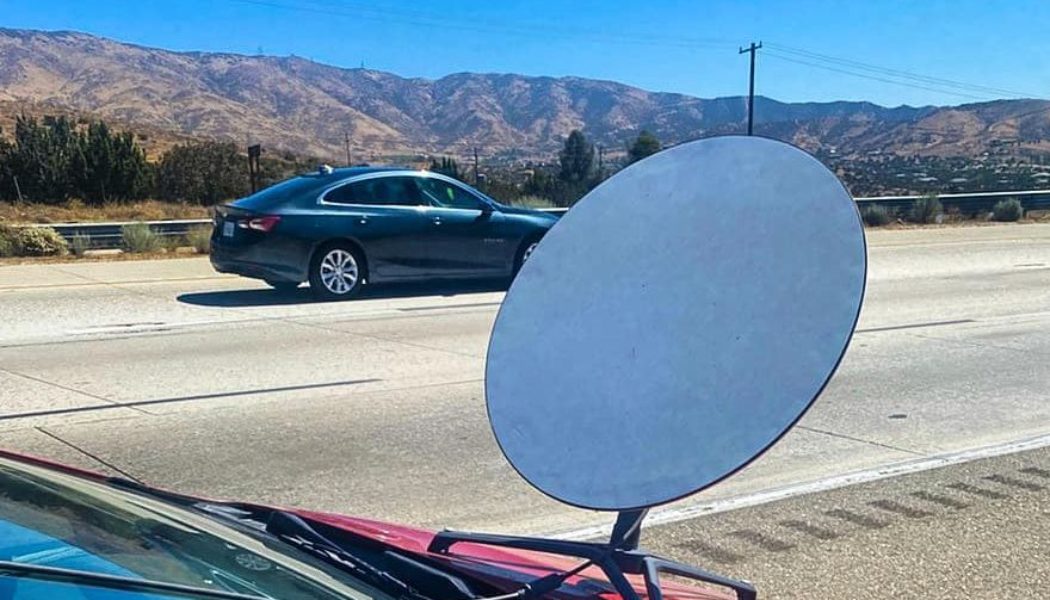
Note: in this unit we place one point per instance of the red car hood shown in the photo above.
(503, 568)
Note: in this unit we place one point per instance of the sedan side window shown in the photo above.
(379, 191)
(344, 194)
(446, 195)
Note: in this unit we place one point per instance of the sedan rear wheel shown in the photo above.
(336, 273)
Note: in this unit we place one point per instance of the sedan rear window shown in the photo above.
(280, 193)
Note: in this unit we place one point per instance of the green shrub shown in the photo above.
(80, 244)
(200, 238)
(39, 241)
(171, 243)
(138, 237)
(1008, 210)
(876, 215)
(926, 209)
(7, 241)
(533, 202)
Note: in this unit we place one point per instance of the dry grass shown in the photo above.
(75, 211)
(123, 256)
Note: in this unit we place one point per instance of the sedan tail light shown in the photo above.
(264, 224)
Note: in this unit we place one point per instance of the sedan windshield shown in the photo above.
(51, 521)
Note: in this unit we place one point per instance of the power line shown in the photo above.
(897, 72)
(362, 12)
(777, 56)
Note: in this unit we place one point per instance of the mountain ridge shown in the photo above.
(296, 104)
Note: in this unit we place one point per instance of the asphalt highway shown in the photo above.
(216, 385)
(974, 530)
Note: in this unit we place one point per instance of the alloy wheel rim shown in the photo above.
(528, 251)
(339, 271)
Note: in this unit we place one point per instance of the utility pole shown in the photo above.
(475, 165)
(601, 162)
(346, 140)
(18, 190)
(751, 89)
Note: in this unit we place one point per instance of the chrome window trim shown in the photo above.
(404, 173)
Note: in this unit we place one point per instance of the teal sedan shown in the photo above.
(340, 229)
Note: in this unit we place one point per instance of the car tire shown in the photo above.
(337, 272)
(283, 286)
(526, 250)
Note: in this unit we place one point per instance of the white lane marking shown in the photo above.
(672, 515)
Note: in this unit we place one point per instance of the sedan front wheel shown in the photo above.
(524, 252)
(336, 273)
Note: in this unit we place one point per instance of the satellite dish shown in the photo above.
(675, 323)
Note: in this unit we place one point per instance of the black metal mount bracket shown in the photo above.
(616, 559)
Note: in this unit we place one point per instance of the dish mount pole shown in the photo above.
(627, 530)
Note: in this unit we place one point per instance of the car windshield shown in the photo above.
(52, 520)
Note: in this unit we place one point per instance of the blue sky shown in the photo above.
(982, 49)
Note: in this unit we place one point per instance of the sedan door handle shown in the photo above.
(437, 220)
(363, 220)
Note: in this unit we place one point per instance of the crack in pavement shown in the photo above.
(192, 398)
(75, 274)
(90, 455)
(859, 440)
(969, 344)
(134, 404)
(65, 388)
(915, 326)
(295, 321)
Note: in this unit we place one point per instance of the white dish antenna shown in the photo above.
(675, 323)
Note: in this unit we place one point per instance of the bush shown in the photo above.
(38, 241)
(7, 241)
(1008, 210)
(171, 243)
(876, 215)
(200, 238)
(926, 209)
(80, 244)
(138, 237)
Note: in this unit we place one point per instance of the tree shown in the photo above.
(7, 183)
(576, 159)
(203, 173)
(110, 166)
(646, 144)
(40, 158)
(54, 160)
(447, 166)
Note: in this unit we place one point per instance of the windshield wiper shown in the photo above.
(291, 529)
(294, 530)
(113, 582)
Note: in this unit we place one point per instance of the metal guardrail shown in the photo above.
(967, 203)
(108, 235)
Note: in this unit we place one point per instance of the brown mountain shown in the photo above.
(299, 105)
